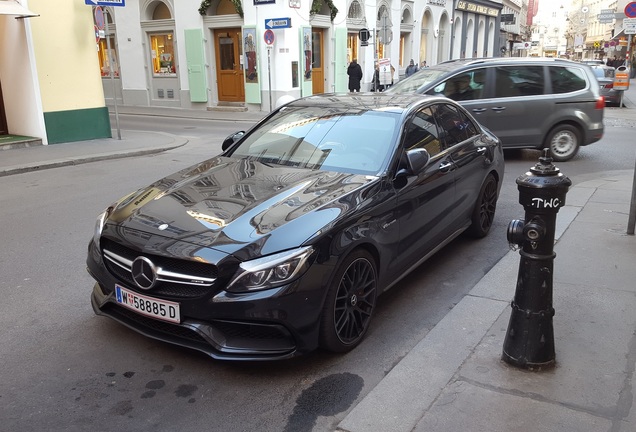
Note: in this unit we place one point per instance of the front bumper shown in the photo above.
(227, 340)
(268, 325)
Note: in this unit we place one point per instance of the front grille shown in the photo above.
(178, 278)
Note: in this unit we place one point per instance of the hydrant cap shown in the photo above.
(545, 167)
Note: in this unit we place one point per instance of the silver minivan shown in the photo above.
(528, 102)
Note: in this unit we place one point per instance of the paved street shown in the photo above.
(66, 369)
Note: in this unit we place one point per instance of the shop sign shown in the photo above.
(507, 18)
(261, 2)
(475, 8)
(437, 2)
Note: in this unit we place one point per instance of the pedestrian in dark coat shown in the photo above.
(410, 69)
(355, 76)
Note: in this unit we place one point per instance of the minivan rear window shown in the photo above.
(567, 79)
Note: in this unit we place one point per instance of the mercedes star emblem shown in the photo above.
(144, 273)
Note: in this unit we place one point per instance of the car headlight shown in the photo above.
(99, 225)
(270, 271)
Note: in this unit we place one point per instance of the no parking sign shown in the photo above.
(269, 37)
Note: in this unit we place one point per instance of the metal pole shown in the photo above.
(110, 72)
(631, 221)
(269, 75)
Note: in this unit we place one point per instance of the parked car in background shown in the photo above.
(283, 242)
(527, 102)
(605, 76)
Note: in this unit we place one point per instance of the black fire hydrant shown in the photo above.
(529, 341)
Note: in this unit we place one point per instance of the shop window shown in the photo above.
(352, 47)
(104, 58)
(162, 52)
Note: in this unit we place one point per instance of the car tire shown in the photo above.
(563, 142)
(484, 211)
(350, 303)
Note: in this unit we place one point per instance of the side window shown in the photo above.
(567, 79)
(454, 126)
(465, 86)
(422, 132)
(471, 129)
(513, 81)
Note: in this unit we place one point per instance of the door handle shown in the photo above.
(498, 109)
(445, 167)
(479, 110)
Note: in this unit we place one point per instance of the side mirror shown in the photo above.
(417, 159)
(227, 142)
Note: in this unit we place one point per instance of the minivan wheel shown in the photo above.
(563, 142)
(350, 303)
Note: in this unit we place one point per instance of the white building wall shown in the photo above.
(132, 57)
(20, 86)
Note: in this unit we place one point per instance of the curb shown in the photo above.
(78, 160)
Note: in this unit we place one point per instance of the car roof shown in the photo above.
(454, 64)
(395, 103)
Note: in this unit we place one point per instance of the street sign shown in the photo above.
(629, 25)
(97, 35)
(99, 17)
(277, 23)
(105, 2)
(630, 10)
(269, 37)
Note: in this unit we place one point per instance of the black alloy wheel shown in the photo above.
(350, 303)
(484, 212)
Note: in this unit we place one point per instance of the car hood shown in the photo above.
(238, 206)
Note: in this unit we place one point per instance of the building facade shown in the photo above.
(49, 86)
(256, 54)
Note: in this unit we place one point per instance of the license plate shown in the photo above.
(159, 309)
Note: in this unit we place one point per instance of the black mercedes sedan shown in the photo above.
(282, 243)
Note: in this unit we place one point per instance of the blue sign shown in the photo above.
(105, 2)
(277, 23)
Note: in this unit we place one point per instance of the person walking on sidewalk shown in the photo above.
(355, 76)
(410, 69)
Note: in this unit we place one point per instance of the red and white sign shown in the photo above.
(269, 37)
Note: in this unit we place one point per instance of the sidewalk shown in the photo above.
(454, 379)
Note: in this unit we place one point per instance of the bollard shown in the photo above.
(529, 341)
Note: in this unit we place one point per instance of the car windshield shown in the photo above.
(419, 79)
(351, 141)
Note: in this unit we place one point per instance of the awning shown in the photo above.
(12, 7)
(619, 35)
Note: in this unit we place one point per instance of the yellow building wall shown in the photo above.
(66, 55)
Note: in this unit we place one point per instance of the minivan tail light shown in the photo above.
(600, 103)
